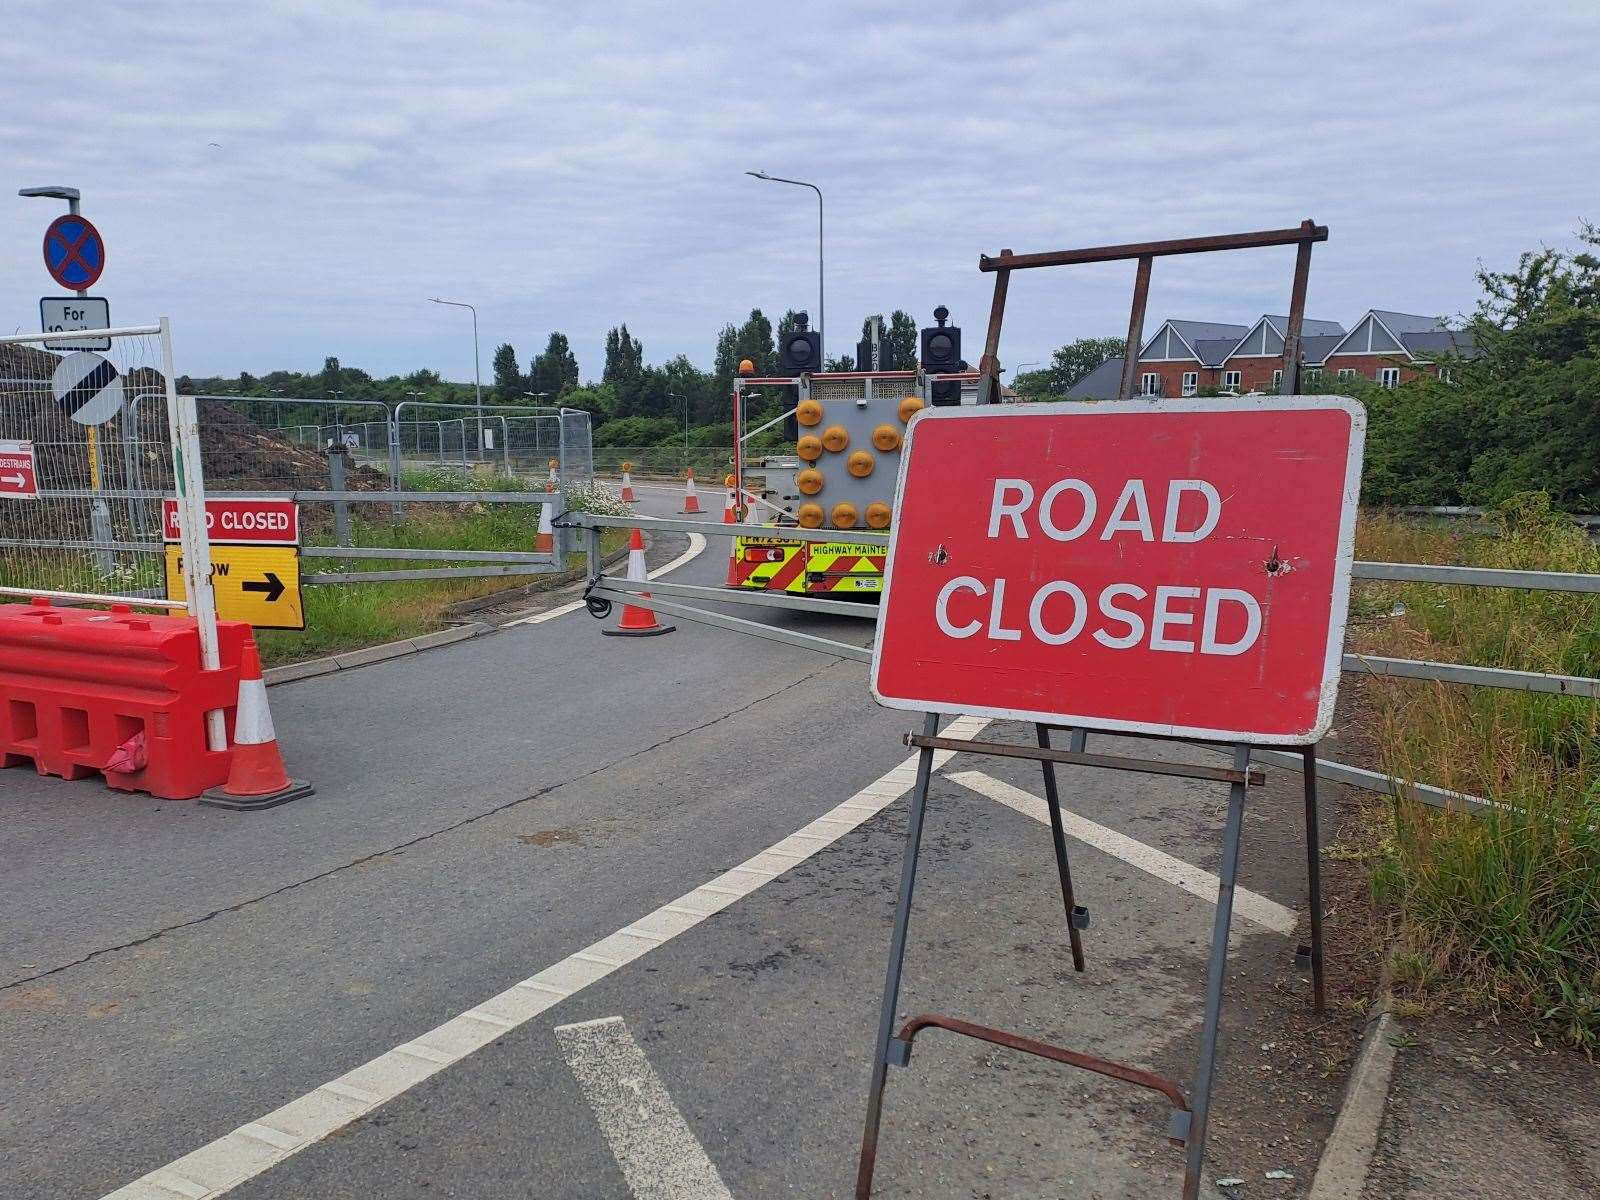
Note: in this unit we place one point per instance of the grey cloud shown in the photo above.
(568, 166)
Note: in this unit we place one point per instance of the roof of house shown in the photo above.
(1102, 383)
(1308, 327)
(1314, 350)
(1194, 331)
(1398, 322)
(1212, 351)
(1446, 341)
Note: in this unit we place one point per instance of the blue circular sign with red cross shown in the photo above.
(74, 253)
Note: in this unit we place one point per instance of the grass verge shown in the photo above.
(340, 617)
(1496, 911)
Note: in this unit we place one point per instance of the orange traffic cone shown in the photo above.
(627, 485)
(545, 541)
(733, 562)
(691, 501)
(554, 484)
(256, 778)
(729, 517)
(637, 619)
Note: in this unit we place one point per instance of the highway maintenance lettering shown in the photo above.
(1177, 567)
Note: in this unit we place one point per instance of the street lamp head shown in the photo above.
(55, 193)
(758, 174)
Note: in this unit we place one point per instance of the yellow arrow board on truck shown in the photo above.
(256, 584)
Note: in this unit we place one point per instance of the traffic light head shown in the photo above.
(941, 355)
(801, 351)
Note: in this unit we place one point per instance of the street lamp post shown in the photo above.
(70, 194)
(477, 375)
(685, 400)
(99, 511)
(822, 311)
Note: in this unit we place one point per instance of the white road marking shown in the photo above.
(697, 543)
(1250, 905)
(246, 1152)
(652, 1143)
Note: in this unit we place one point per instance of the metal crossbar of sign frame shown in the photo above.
(1081, 566)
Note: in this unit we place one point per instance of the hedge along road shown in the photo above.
(491, 813)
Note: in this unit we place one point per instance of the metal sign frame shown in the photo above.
(1191, 1109)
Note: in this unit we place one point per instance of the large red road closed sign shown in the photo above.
(1177, 567)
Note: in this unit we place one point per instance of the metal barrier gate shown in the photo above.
(98, 439)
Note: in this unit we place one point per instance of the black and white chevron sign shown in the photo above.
(88, 387)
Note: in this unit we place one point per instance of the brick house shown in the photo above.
(1182, 357)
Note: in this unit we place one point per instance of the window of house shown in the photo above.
(1445, 375)
(1191, 382)
(1312, 374)
(1150, 384)
(1230, 379)
(1347, 372)
(1277, 379)
(1388, 376)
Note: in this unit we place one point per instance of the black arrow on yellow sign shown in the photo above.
(273, 586)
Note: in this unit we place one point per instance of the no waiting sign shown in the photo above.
(1177, 567)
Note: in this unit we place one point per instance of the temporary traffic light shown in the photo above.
(941, 355)
(801, 352)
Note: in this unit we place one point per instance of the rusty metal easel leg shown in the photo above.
(1076, 918)
(897, 953)
(1289, 385)
(1312, 955)
(1130, 361)
(989, 363)
(1216, 976)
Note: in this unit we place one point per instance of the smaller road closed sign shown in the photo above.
(19, 478)
(1175, 567)
(256, 522)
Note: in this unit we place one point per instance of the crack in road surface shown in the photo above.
(144, 939)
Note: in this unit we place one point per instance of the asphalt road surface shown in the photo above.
(577, 916)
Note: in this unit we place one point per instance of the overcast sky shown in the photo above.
(574, 165)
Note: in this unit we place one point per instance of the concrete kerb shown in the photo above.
(1347, 1157)
(371, 654)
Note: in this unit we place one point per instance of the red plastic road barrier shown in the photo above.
(1173, 567)
(86, 692)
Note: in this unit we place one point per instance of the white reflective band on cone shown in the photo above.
(252, 723)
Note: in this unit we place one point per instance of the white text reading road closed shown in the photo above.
(1177, 618)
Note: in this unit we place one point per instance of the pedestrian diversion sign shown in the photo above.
(1175, 567)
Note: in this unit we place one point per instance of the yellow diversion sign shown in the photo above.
(256, 584)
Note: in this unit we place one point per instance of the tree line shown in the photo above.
(633, 403)
(1521, 414)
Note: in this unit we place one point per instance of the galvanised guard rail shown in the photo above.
(610, 587)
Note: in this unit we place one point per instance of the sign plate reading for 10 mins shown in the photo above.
(64, 313)
(1176, 567)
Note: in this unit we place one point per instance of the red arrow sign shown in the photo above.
(1174, 567)
(18, 478)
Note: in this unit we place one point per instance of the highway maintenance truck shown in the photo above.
(848, 428)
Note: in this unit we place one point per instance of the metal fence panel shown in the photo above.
(577, 448)
(96, 526)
